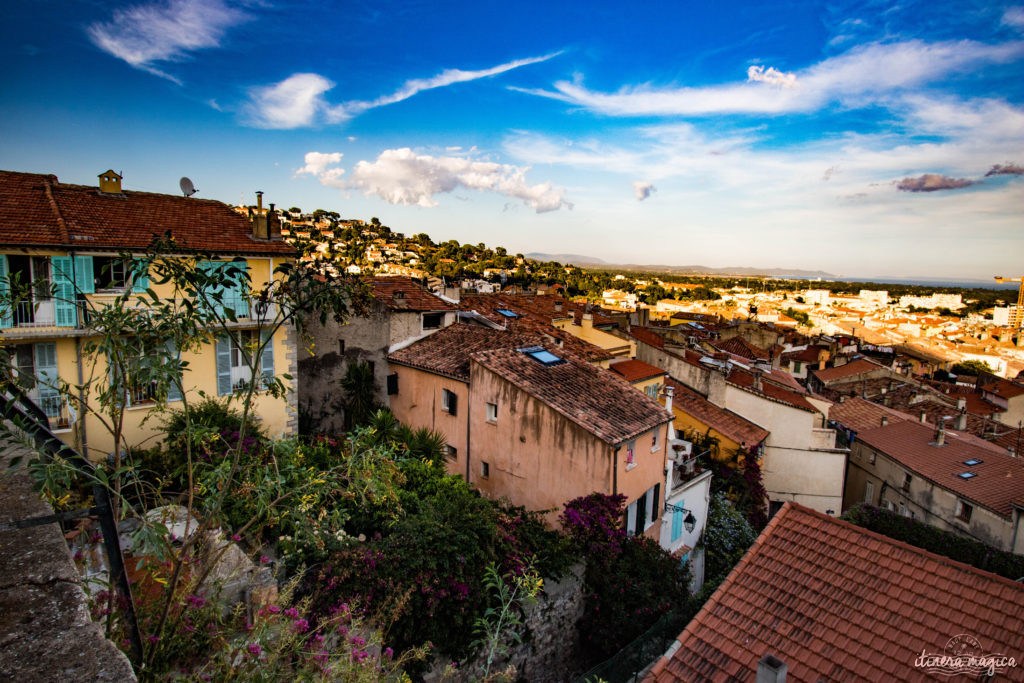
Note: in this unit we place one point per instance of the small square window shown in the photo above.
(906, 482)
(871, 458)
(451, 452)
(963, 511)
(492, 412)
(654, 440)
(449, 402)
(432, 321)
(341, 347)
(485, 469)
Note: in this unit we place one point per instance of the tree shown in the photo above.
(358, 385)
(972, 367)
(726, 537)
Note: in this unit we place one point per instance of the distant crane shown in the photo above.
(1019, 311)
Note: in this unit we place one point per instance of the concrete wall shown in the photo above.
(418, 403)
(539, 459)
(929, 503)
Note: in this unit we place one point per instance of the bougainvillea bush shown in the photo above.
(630, 581)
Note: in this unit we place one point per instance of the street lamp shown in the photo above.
(689, 521)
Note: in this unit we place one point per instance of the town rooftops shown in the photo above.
(592, 397)
(405, 294)
(726, 422)
(860, 415)
(447, 351)
(837, 602)
(856, 367)
(741, 347)
(998, 479)
(635, 370)
(1003, 388)
(38, 211)
(769, 390)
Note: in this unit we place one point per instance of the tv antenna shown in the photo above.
(187, 188)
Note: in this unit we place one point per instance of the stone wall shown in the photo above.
(45, 630)
(549, 651)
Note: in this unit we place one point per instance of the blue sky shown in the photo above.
(864, 139)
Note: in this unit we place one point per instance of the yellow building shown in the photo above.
(68, 241)
(695, 414)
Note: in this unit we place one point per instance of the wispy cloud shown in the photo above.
(932, 182)
(643, 190)
(294, 102)
(859, 76)
(1014, 16)
(145, 35)
(298, 100)
(1005, 169)
(401, 176)
(324, 167)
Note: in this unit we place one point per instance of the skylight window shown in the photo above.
(507, 313)
(542, 355)
(972, 462)
(967, 475)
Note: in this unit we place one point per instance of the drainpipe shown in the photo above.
(615, 470)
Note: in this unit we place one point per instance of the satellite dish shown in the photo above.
(187, 188)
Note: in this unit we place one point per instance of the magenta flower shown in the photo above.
(357, 641)
(300, 625)
(195, 601)
(236, 538)
(291, 612)
(264, 559)
(255, 650)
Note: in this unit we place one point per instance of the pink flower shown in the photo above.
(255, 649)
(300, 625)
(291, 612)
(236, 538)
(264, 559)
(273, 609)
(357, 641)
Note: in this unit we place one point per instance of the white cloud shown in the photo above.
(771, 75)
(445, 78)
(143, 35)
(643, 190)
(317, 164)
(296, 101)
(1014, 16)
(859, 76)
(401, 176)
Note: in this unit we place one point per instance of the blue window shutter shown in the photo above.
(677, 521)
(223, 365)
(140, 279)
(46, 377)
(207, 302)
(267, 357)
(235, 298)
(64, 292)
(173, 393)
(85, 278)
(6, 302)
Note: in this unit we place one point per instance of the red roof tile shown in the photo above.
(1004, 388)
(594, 398)
(405, 294)
(447, 351)
(647, 337)
(726, 422)
(741, 347)
(37, 210)
(851, 369)
(1000, 477)
(772, 391)
(837, 602)
(635, 370)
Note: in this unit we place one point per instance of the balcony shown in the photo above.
(686, 465)
(33, 314)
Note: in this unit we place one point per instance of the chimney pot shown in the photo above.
(940, 435)
(771, 670)
(961, 403)
(924, 417)
(885, 420)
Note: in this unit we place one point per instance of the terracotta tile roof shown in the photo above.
(1004, 388)
(999, 480)
(726, 422)
(447, 351)
(646, 336)
(861, 415)
(807, 355)
(854, 367)
(837, 602)
(741, 347)
(37, 210)
(744, 379)
(405, 294)
(542, 307)
(635, 370)
(595, 399)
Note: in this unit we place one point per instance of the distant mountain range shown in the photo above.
(582, 261)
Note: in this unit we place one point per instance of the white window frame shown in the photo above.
(492, 413)
(869, 491)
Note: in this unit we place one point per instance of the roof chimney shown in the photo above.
(961, 403)
(757, 380)
(885, 420)
(110, 182)
(924, 417)
(771, 670)
(940, 434)
(961, 421)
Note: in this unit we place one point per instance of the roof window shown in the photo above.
(972, 462)
(507, 313)
(542, 355)
(967, 475)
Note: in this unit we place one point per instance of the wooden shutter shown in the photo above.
(64, 307)
(267, 357)
(223, 347)
(85, 278)
(139, 275)
(6, 300)
(677, 521)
